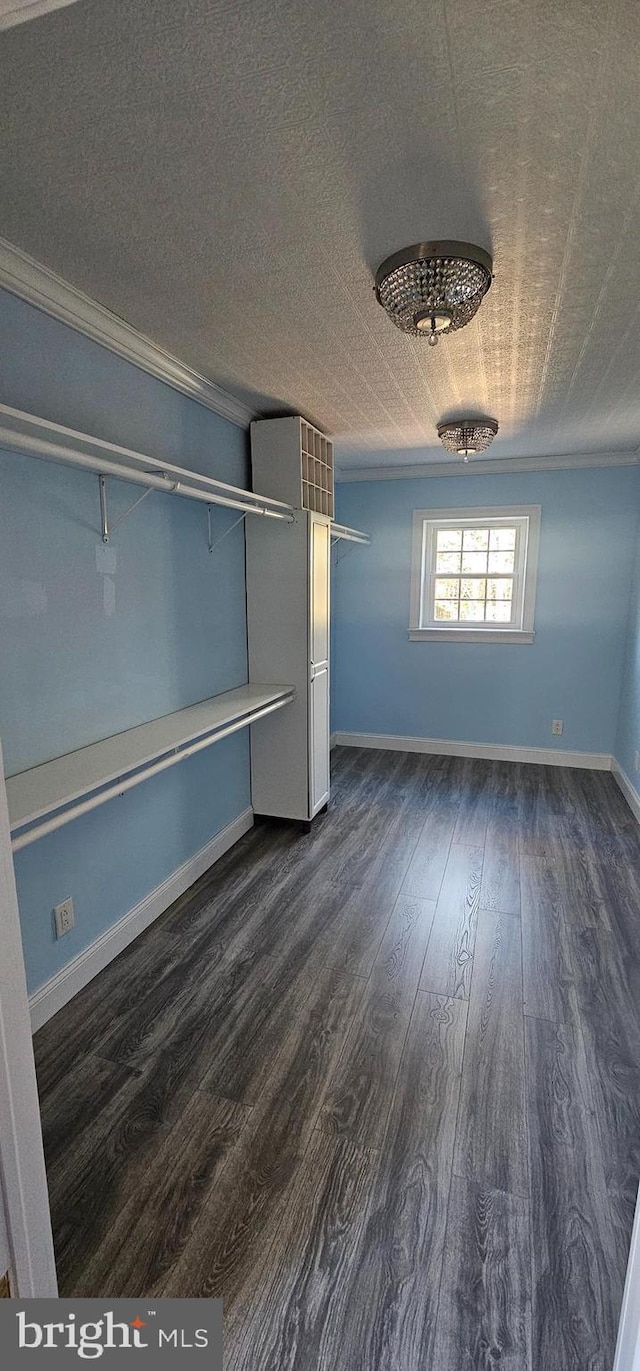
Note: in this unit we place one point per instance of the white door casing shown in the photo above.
(22, 1169)
(5, 1256)
(628, 1345)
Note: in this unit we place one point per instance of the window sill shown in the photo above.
(471, 635)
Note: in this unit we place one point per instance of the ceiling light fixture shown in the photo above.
(434, 288)
(466, 437)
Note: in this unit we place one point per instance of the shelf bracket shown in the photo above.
(345, 552)
(212, 545)
(108, 529)
(131, 508)
(104, 509)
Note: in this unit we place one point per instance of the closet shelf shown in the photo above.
(80, 781)
(351, 535)
(35, 437)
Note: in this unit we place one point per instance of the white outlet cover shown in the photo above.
(64, 917)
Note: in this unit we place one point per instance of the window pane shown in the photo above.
(473, 589)
(475, 539)
(500, 590)
(499, 561)
(447, 561)
(474, 561)
(499, 611)
(472, 609)
(473, 569)
(447, 590)
(446, 609)
(449, 539)
(502, 538)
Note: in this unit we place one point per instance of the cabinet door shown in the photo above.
(318, 740)
(319, 547)
(319, 539)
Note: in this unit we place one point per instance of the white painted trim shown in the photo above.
(39, 286)
(628, 789)
(61, 988)
(5, 1254)
(468, 635)
(446, 747)
(425, 525)
(332, 741)
(496, 466)
(628, 1344)
(23, 1180)
(19, 11)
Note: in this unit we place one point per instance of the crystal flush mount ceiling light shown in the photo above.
(434, 288)
(466, 437)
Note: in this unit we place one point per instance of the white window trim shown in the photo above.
(524, 633)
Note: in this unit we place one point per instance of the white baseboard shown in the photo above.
(629, 791)
(332, 742)
(50, 997)
(445, 747)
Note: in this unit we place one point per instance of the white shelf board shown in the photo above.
(352, 535)
(35, 437)
(49, 787)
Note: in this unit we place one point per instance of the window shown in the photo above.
(474, 574)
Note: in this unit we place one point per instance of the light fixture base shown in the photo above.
(467, 437)
(445, 281)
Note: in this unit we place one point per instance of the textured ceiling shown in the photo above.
(21, 11)
(227, 177)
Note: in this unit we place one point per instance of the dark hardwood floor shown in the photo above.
(378, 1085)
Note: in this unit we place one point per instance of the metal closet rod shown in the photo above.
(121, 787)
(204, 488)
(152, 463)
(350, 535)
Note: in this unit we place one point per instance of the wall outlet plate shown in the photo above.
(636, 761)
(557, 726)
(64, 918)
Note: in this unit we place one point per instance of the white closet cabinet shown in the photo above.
(288, 616)
(288, 628)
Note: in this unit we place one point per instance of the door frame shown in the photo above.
(23, 1177)
(628, 1345)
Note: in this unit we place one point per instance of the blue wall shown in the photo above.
(628, 733)
(87, 650)
(490, 693)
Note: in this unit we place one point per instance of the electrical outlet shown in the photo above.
(636, 761)
(557, 726)
(64, 918)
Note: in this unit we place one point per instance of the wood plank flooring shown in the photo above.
(378, 1085)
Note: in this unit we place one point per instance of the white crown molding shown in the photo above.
(19, 11)
(35, 283)
(494, 752)
(73, 977)
(496, 466)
